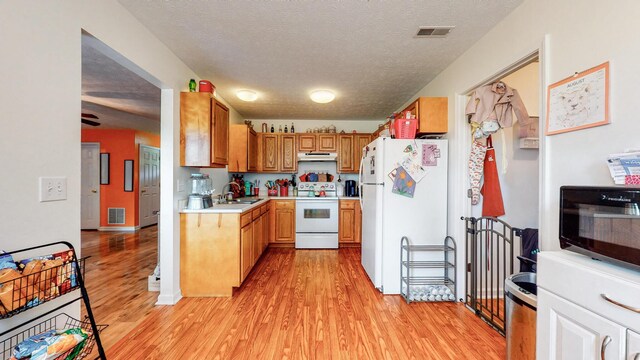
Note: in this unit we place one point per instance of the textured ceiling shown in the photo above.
(364, 50)
(120, 98)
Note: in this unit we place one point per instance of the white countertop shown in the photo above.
(226, 208)
(241, 208)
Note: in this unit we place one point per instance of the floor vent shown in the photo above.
(434, 31)
(116, 216)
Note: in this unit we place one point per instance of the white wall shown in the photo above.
(520, 183)
(582, 34)
(40, 72)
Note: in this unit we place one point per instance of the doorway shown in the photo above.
(90, 187)
(149, 180)
(121, 116)
(491, 246)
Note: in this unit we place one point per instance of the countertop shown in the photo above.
(241, 208)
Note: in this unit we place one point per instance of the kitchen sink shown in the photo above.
(239, 201)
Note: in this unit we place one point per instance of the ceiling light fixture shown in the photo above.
(322, 96)
(247, 95)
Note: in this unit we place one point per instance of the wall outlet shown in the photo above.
(53, 188)
(180, 185)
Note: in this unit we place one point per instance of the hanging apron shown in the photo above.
(492, 204)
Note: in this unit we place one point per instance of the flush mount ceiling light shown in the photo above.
(322, 96)
(247, 95)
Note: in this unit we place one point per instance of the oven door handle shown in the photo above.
(310, 202)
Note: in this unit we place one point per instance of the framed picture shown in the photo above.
(128, 175)
(579, 102)
(104, 169)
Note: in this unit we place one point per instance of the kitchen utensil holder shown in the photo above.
(445, 276)
(272, 192)
(284, 191)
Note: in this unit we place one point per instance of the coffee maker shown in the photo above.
(201, 190)
(350, 188)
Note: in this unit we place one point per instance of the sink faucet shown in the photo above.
(228, 184)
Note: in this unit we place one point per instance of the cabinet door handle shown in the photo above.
(630, 308)
(603, 348)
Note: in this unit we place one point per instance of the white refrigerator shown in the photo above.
(387, 216)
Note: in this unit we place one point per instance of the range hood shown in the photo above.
(317, 156)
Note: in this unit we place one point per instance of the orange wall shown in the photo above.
(120, 144)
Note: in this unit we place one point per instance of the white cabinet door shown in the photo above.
(633, 345)
(567, 331)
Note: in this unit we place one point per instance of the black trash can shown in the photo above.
(521, 304)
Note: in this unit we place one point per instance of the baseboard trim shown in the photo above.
(169, 299)
(119, 228)
(282, 245)
(349, 245)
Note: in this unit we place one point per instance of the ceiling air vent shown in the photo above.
(434, 31)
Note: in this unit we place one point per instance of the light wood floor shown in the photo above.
(116, 279)
(315, 304)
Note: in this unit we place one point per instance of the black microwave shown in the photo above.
(602, 222)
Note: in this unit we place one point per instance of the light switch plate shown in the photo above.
(53, 188)
(180, 185)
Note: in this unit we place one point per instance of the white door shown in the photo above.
(90, 187)
(149, 185)
(566, 331)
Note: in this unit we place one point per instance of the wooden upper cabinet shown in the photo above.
(243, 143)
(433, 114)
(288, 155)
(220, 134)
(204, 130)
(269, 152)
(359, 142)
(195, 129)
(307, 142)
(345, 154)
(252, 161)
(327, 143)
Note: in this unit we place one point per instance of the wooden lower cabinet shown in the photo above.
(283, 221)
(246, 244)
(350, 222)
(218, 251)
(258, 229)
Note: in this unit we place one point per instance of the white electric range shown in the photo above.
(317, 216)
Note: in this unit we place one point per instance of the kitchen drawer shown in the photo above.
(255, 213)
(583, 281)
(347, 204)
(245, 219)
(285, 204)
(265, 208)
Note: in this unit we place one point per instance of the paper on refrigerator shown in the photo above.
(623, 164)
